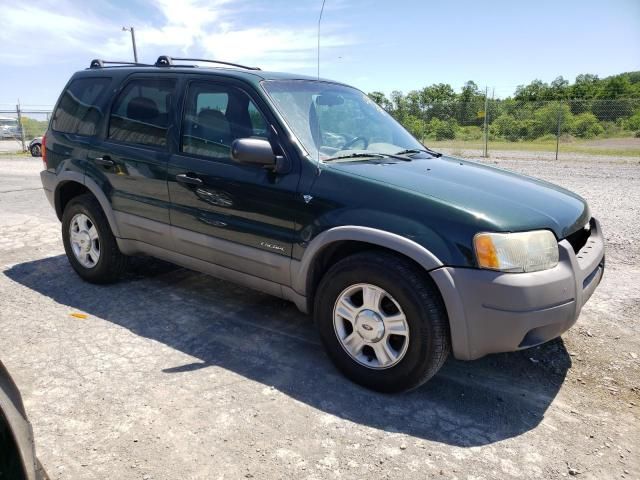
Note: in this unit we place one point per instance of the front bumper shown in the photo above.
(491, 312)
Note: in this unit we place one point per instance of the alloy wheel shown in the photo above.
(371, 326)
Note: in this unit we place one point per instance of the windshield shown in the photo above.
(335, 120)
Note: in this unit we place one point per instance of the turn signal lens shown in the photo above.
(486, 251)
(517, 252)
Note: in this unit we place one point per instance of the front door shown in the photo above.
(237, 216)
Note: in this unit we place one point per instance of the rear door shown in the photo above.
(237, 216)
(130, 164)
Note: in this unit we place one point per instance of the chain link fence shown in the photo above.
(19, 124)
(488, 127)
(482, 127)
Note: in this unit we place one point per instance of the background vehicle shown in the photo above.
(17, 451)
(9, 127)
(35, 147)
(307, 190)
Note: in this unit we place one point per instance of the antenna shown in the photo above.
(320, 20)
(317, 119)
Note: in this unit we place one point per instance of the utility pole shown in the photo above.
(486, 126)
(20, 126)
(133, 41)
(559, 128)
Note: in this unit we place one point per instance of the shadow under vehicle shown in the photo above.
(267, 340)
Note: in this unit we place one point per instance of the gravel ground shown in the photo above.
(172, 374)
(10, 146)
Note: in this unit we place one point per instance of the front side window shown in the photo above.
(215, 116)
(141, 112)
(331, 120)
(78, 112)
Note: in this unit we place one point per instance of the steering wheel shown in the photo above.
(351, 142)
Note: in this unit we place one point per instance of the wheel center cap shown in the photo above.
(369, 326)
(84, 240)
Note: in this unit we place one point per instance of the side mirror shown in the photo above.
(253, 150)
(257, 151)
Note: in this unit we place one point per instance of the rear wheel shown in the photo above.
(89, 243)
(382, 321)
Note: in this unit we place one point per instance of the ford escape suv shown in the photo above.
(309, 191)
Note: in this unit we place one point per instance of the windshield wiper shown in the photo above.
(366, 155)
(418, 150)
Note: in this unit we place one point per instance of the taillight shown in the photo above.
(43, 151)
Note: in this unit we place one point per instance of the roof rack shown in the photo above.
(167, 61)
(98, 63)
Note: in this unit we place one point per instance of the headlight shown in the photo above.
(516, 252)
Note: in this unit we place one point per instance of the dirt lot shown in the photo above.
(173, 374)
(10, 146)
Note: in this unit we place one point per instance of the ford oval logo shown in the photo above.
(368, 328)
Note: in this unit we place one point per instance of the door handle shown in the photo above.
(188, 180)
(105, 161)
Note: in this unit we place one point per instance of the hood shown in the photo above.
(505, 200)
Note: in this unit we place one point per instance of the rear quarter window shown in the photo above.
(78, 110)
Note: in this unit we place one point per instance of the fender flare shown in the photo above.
(92, 186)
(300, 270)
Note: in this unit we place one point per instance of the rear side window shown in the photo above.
(78, 111)
(141, 112)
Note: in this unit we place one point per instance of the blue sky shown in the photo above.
(374, 45)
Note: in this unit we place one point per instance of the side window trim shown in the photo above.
(115, 97)
(185, 107)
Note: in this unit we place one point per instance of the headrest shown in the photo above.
(215, 119)
(142, 109)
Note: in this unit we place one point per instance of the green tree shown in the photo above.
(33, 128)
(442, 129)
(586, 86)
(633, 122)
(398, 104)
(586, 125)
(414, 104)
(470, 104)
(506, 126)
(536, 91)
(381, 99)
(618, 86)
(416, 126)
(438, 101)
(546, 120)
(559, 88)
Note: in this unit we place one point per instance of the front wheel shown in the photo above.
(382, 321)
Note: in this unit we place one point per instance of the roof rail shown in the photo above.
(167, 61)
(98, 63)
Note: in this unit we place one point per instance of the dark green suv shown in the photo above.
(308, 190)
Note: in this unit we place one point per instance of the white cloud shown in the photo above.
(43, 32)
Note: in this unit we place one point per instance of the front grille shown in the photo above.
(579, 239)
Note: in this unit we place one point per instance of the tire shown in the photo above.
(36, 150)
(110, 262)
(410, 294)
